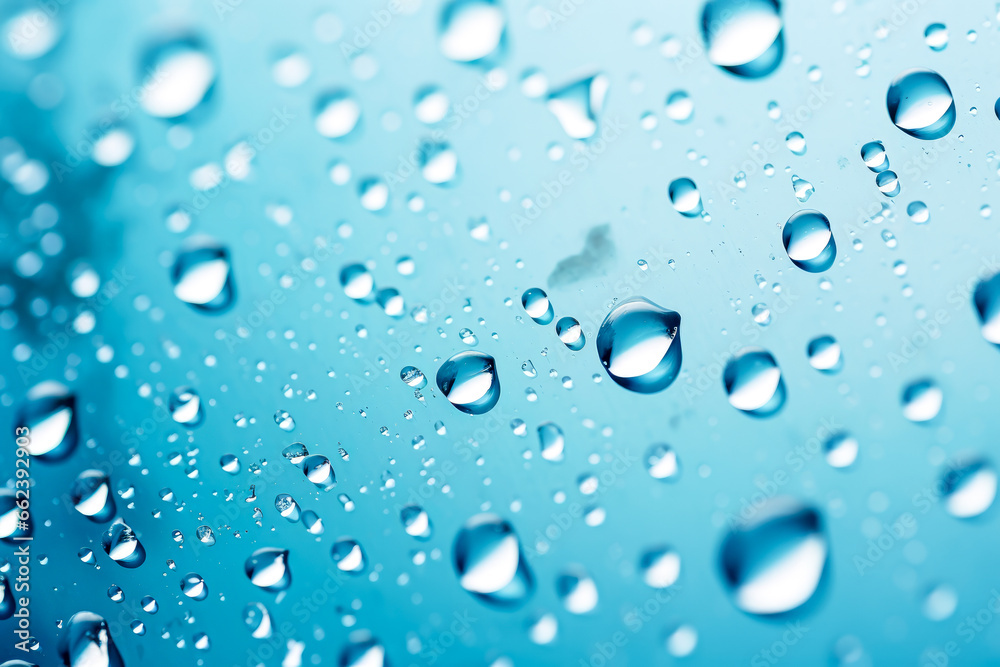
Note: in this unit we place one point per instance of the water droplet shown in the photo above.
(775, 562)
(91, 496)
(86, 641)
(202, 276)
(803, 189)
(685, 197)
(662, 463)
(551, 441)
(489, 562)
(841, 450)
(49, 413)
(472, 30)
(416, 522)
(194, 587)
(268, 569)
(430, 105)
(874, 155)
(660, 566)
(571, 333)
(363, 650)
(809, 242)
(577, 590)
(122, 545)
(413, 377)
(743, 37)
(969, 488)
(185, 407)
(319, 471)
(578, 105)
(470, 382)
(920, 103)
(438, 163)
(888, 183)
(336, 114)
(357, 281)
(922, 400)
(986, 300)
(258, 620)
(918, 212)
(179, 76)
(824, 354)
(639, 345)
(936, 36)
(349, 556)
(680, 106)
(796, 143)
(536, 303)
(753, 382)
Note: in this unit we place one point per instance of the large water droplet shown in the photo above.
(268, 568)
(536, 303)
(416, 522)
(753, 382)
(824, 354)
(349, 556)
(743, 37)
(178, 76)
(49, 413)
(660, 566)
(685, 197)
(91, 496)
(775, 562)
(489, 562)
(639, 345)
(809, 242)
(920, 103)
(202, 276)
(258, 620)
(969, 488)
(86, 642)
(470, 382)
(551, 441)
(472, 30)
(122, 545)
(578, 106)
(337, 113)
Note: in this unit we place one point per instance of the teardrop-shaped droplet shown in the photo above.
(268, 569)
(875, 157)
(122, 545)
(319, 471)
(86, 641)
(470, 382)
(178, 76)
(357, 281)
(920, 103)
(202, 276)
(49, 413)
(91, 496)
(685, 197)
(753, 382)
(639, 345)
(13, 530)
(363, 650)
(840, 450)
(809, 242)
(969, 488)
(472, 30)
(578, 105)
(743, 37)
(774, 563)
(489, 562)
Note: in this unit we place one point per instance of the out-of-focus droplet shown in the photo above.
(753, 382)
(489, 562)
